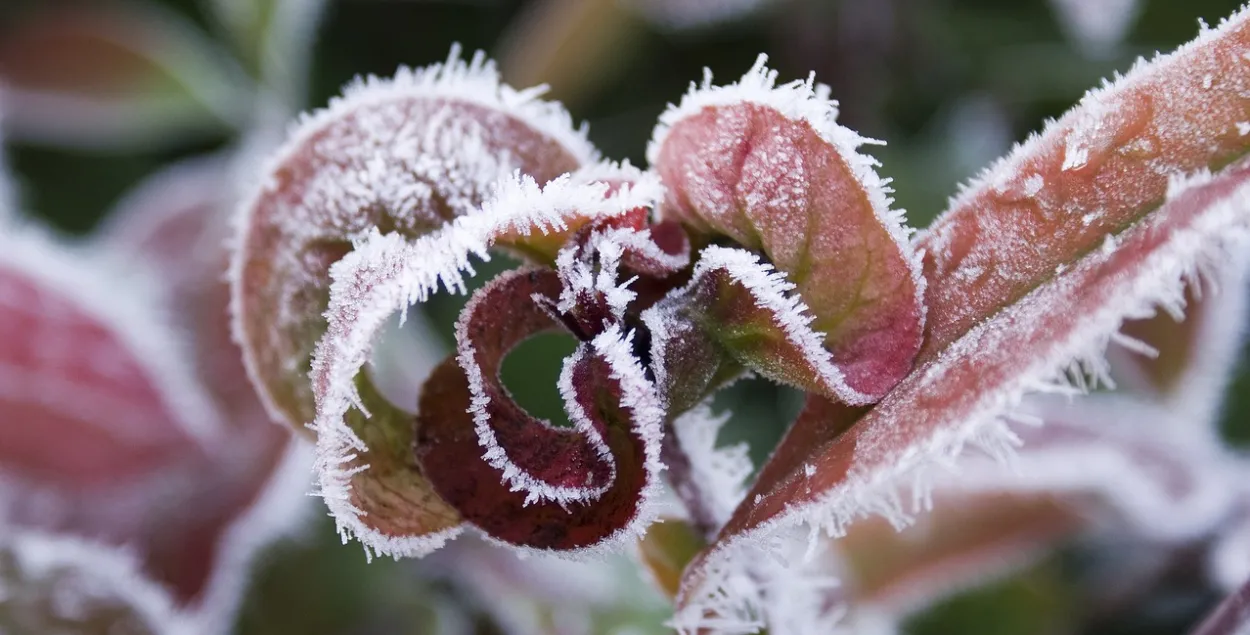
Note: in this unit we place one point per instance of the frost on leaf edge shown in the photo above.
(476, 81)
(1143, 69)
(1217, 233)
(771, 292)
(806, 101)
(519, 204)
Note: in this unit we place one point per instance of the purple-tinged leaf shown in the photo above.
(381, 497)
(95, 390)
(595, 259)
(960, 396)
(530, 456)
(198, 517)
(1101, 167)
(746, 307)
(175, 226)
(404, 155)
(608, 399)
(61, 584)
(519, 479)
(121, 75)
(769, 167)
(716, 477)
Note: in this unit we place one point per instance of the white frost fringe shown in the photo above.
(1216, 235)
(807, 101)
(393, 162)
(83, 572)
(772, 292)
(497, 456)
(638, 395)
(719, 474)
(386, 274)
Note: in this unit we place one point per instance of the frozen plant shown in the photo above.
(761, 241)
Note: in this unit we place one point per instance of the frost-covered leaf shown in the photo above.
(175, 226)
(95, 388)
(616, 266)
(519, 479)
(252, 486)
(62, 584)
(960, 396)
(121, 75)
(1155, 470)
(609, 401)
(1098, 169)
(365, 467)
(402, 155)
(769, 167)
(542, 462)
(709, 479)
(197, 516)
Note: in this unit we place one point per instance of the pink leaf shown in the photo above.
(769, 167)
(405, 155)
(95, 389)
(960, 396)
(200, 514)
(1095, 171)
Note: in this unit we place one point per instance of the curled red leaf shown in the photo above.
(405, 155)
(516, 478)
(386, 501)
(769, 167)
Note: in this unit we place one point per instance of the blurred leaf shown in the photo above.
(274, 38)
(108, 78)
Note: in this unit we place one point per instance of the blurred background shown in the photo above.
(103, 93)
